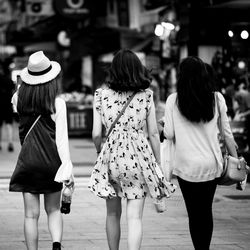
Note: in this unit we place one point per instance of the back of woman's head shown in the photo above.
(127, 72)
(38, 99)
(195, 90)
(39, 86)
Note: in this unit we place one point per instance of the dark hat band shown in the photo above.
(39, 73)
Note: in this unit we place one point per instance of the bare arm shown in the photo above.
(231, 146)
(97, 129)
(153, 133)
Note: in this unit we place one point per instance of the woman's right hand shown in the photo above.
(161, 122)
(70, 182)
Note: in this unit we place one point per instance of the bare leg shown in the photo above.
(113, 229)
(55, 222)
(32, 212)
(134, 219)
(9, 127)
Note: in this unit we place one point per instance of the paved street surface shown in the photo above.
(84, 227)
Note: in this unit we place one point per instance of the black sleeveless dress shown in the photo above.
(38, 160)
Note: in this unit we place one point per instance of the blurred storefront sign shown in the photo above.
(74, 9)
(39, 8)
(80, 119)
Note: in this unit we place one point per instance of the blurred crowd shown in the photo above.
(233, 82)
(6, 114)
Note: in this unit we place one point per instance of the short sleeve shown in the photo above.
(149, 99)
(98, 100)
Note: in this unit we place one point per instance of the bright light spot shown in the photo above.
(230, 33)
(241, 64)
(168, 26)
(63, 38)
(159, 30)
(244, 34)
(177, 27)
(12, 65)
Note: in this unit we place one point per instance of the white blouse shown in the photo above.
(62, 142)
(197, 155)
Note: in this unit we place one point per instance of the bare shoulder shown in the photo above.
(149, 91)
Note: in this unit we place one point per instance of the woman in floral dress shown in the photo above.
(126, 166)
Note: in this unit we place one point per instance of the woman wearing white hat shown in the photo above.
(44, 160)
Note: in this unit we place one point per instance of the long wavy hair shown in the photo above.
(127, 72)
(195, 90)
(38, 99)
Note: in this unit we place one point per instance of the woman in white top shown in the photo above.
(191, 122)
(44, 160)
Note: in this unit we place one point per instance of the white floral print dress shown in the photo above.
(126, 166)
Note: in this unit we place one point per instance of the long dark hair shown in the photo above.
(195, 90)
(127, 72)
(38, 99)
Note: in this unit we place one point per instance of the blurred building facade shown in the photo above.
(84, 34)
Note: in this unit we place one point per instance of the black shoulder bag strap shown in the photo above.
(120, 114)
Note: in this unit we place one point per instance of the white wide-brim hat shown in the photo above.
(40, 69)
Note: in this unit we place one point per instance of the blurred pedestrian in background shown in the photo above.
(242, 97)
(6, 113)
(44, 160)
(191, 122)
(132, 165)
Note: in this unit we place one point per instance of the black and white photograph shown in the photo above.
(124, 124)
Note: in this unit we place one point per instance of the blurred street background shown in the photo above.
(83, 35)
